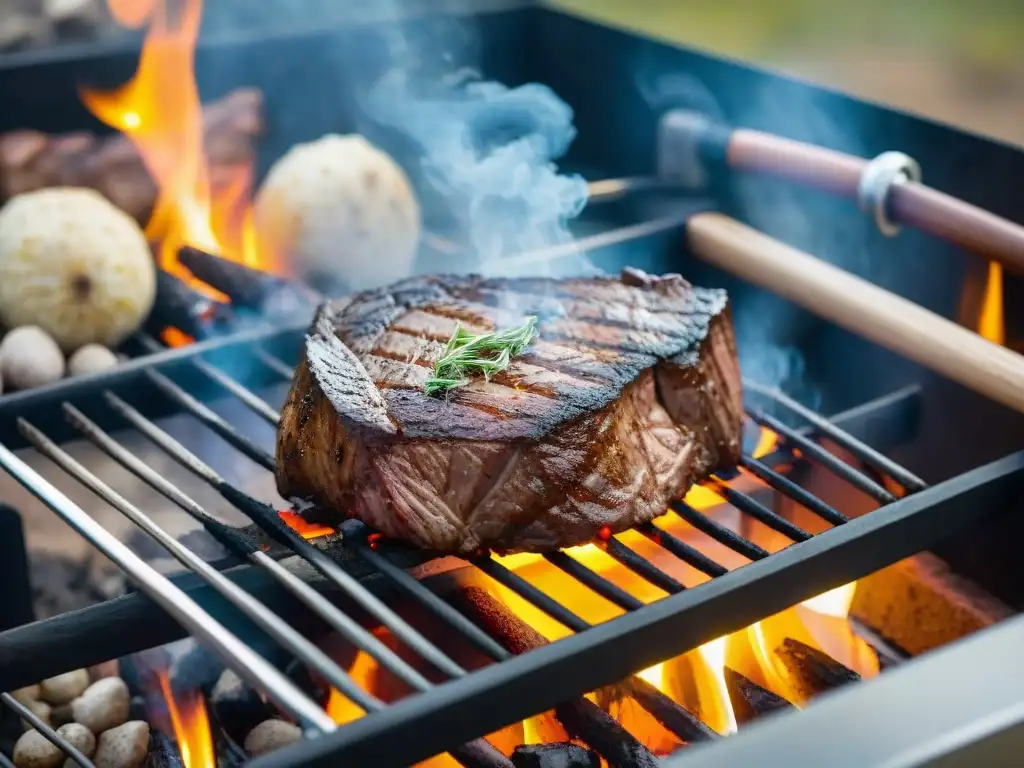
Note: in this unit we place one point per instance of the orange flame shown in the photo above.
(990, 320)
(191, 726)
(160, 111)
(303, 527)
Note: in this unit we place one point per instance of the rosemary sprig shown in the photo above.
(486, 355)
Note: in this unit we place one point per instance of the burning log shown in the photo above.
(749, 700)
(810, 671)
(581, 718)
(565, 755)
(180, 306)
(111, 165)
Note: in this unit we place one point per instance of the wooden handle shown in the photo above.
(860, 307)
(911, 203)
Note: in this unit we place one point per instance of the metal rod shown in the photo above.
(275, 528)
(274, 363)
(253, 401)
(263, 617)
(641, 566)
(347, 627)
(790, 489)
(689, 555)
(608, 190)
(593, 581)
(212, 420)
(858, 448)
(402, 579)
(718, 532)
(233, 652)
(758, 511)
(69, 749)
(5, 761)
(836, 466)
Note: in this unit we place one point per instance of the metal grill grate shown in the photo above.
(180, 381)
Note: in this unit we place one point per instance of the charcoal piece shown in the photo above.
(239, 707)
(582, 718)
(749, 700)
(480, 754)
(563, 755)
(586, 721)
(163, 751)
(179, 305)
(812, 672)
(31, 160)
(304, 680)
(246, 287)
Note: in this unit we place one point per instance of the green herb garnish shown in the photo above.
(486, 354)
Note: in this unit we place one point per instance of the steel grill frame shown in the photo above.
(517, 687)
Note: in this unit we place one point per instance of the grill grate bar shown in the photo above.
(671, 715)
(839, 436)
(641, 566)
(758, 511)
(237, 545)
(236, 655)
(276, 364)
(263, 617)
(599, 584)
(349, 628)
(812, 450)
(423, 595)
(682, 550)
(788, 488)
(718, 532)
(212, 420)
(70, 751)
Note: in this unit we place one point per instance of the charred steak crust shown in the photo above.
(629, 394)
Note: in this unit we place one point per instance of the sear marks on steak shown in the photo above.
(629, 394)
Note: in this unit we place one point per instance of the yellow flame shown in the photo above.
(991, 323)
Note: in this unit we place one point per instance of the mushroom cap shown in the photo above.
(75, 265)
(341, 207)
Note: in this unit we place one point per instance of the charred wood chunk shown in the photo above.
(246, 287)
(749, 700)
(31, 160)
(179, 305)
(586, 721)
(480, 754)
(566, 755)
(239, 707)
(581, 718)
(810, 671)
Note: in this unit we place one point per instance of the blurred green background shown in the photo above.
(959, 61)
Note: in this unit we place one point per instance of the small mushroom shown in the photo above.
(92, 358)
(92, 260)
(79, 737)
(30, 358)
(33, 750)
(103, 705)
(270, 735)
(125, 746)
(63, 689)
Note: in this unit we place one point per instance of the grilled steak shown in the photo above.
(629, 393)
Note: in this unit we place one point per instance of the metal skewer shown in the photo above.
(44, 730)
(235, 654)
(285, 635)
(350, 629)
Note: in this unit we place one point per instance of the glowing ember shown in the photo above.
(191, 726)
(172, 337)
(160, 111)
(307, 530)
(990, 320)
